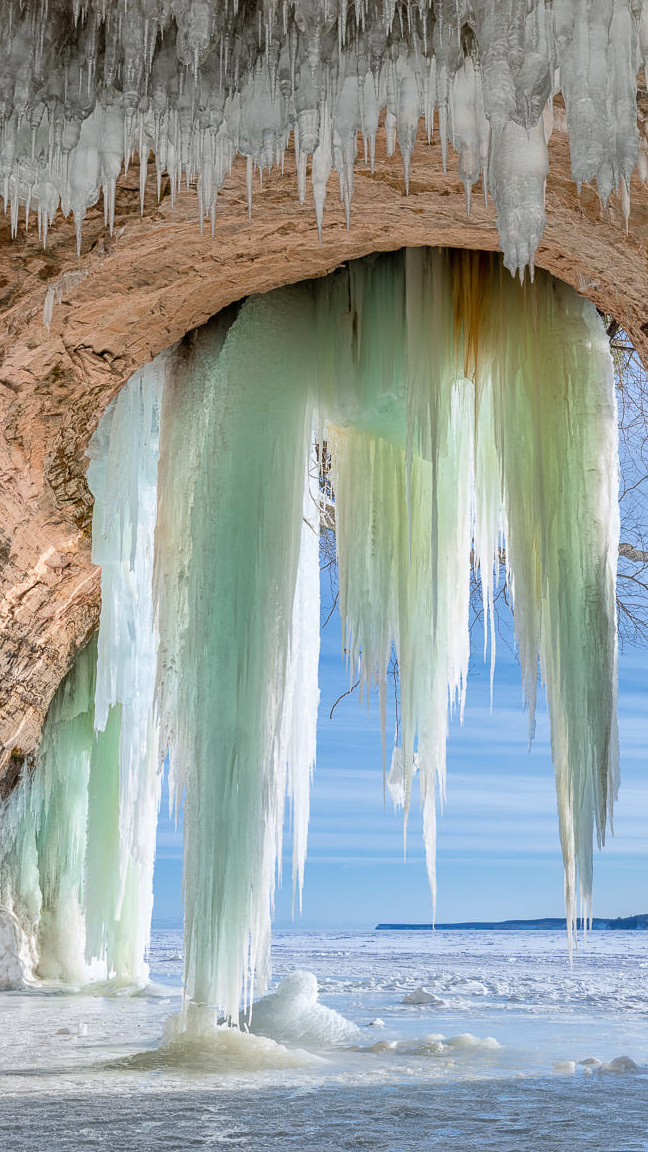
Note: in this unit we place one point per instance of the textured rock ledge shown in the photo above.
(135, 293)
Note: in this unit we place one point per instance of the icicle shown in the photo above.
(554, 379)
(299, 713)
(478, 353)
(321, 167)
(168, 74)
(123, 479)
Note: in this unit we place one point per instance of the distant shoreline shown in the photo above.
(547, 923)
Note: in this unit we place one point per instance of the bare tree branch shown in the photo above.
(347, 693)
(629, 552)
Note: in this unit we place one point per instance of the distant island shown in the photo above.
(546, 923)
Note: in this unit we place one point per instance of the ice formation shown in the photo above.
(14, 964)
(469, 411)
(85, 84)
(292, 1014)
(78, 834)
(238, 603)
(122, 477)
(465, 414)
(43, 836)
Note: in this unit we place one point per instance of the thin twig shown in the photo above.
(337, 597)
(348, 693)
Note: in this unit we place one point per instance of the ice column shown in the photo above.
(78, 833)
(59, 806)
(43, 837)
(238, 588)
(123, 479)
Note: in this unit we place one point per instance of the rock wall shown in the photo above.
(134, 293)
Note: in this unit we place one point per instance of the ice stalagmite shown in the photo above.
(238, 595)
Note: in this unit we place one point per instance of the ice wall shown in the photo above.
(85, 84)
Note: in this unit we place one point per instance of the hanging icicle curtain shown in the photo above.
(87, 84)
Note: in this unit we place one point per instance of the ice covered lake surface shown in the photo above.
(453, 1040)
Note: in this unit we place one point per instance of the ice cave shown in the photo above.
(234, 232)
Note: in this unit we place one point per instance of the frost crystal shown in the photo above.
(85, 84)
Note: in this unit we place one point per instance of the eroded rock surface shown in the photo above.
(133, 294)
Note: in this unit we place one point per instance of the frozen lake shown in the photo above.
(453, 1041)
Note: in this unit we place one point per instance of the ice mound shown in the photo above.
(194, 1039)
(433, 1045)
(436, 1044)
(293, 1015)
(15, 969)
(217, 1048)
(384, 1046)
(422, 996)
(468, 1042)
(230, 1050)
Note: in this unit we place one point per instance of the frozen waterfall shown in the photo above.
(86, 84)
(467, 417)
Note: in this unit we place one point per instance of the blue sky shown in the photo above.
(498, 852)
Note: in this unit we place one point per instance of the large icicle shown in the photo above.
(298, 737)
(555, 421)
(403, 510)
(238, 614)
(123, 479)
(509, 429)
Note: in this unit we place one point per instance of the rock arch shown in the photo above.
(134, 293)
